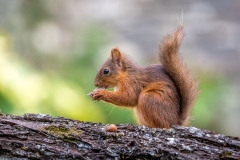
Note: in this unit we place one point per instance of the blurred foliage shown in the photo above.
(209, 100)
(23, 89)
(34, 12)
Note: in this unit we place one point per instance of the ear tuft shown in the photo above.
(116, 56)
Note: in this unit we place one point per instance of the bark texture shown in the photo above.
(39, 136)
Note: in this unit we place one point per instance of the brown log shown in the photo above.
(39, 136)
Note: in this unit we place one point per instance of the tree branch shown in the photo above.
(39, 136)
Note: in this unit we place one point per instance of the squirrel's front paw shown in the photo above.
(98, 94)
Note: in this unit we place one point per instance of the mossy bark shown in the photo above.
(38, 136)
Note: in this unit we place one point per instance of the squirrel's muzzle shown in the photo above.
(96, 84)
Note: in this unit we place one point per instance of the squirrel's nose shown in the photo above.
(96, 84)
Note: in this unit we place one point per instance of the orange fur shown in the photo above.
(161, 95)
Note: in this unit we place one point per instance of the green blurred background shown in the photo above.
(51, 50)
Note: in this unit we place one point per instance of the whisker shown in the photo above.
(110, 112)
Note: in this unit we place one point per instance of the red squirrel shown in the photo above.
(161, 95)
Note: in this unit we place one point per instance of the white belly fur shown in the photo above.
(139, 117)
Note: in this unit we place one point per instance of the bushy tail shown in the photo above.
(174, 66)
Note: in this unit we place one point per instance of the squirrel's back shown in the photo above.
(174, 66)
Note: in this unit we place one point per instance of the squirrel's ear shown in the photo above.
(116, 56)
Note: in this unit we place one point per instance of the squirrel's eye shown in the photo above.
(105, 71)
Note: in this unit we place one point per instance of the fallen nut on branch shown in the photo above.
(111, 128)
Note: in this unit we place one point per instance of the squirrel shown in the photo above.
(162, 95)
